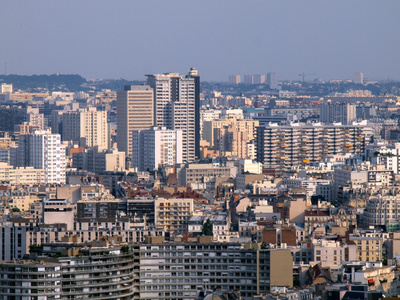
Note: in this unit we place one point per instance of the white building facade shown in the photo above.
(43, 150)
(155, 147)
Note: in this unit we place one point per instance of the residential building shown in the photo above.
(97, 161)
(86, 126)
(381, 209)
(175, 270)
(177, 107)
(272, 80)
(368, 248)
(172, 215)
(6, 88)
(104, 273)
(358, 78)
(155, 147)
(282, 147)
(202, 173)
(21, 175)
(43, 150)
(234, 79)
(330, 113)
(230, 136)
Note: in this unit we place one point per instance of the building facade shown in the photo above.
(156, 146)
(135, 111)
(177, 106)
(43, 150)
(299, 144)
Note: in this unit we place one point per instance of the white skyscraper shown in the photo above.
(43, 150)
(156, 146)
(176, 107)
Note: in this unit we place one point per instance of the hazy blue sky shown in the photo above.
(127, 38)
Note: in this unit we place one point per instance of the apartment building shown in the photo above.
(21, 175)
(177, 106)
(107, 269)
(173, 214)
(344, 113)
(87, 126)
(156, 146)
(178, 270)
(30, 280)
(195, 173)
(369, 248)
(245, 126)
(282, 147)
(381, 209)
(43, 150)
(101, 272)
(98, 161)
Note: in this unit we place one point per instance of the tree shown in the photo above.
(208, 228)
(15, 209)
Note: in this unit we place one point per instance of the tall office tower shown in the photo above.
(87, 126)
(234, 79)
(135, 111)
(193, 73)
(344, 113)
(272, 80)
(156, 146)
(43, 150)
(358, 78)
(175, 107)
(259, 78)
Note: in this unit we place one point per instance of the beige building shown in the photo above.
(368, 248)
(135, 111)
(22, 202)
(172, 214)
(230, 136)
(87, 126)
(196, 173)
(21, 175)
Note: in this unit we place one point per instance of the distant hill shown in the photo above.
(62, 82)
(50, 82)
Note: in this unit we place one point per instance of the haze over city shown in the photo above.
(103, 39)
(197, 150)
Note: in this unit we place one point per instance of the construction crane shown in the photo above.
(303, 75)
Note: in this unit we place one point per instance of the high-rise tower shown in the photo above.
(177, 106)
(134, 112)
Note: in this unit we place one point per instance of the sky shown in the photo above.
(130, 38)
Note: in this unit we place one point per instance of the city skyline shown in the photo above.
(331, 40)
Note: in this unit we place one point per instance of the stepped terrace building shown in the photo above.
(282, 147)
